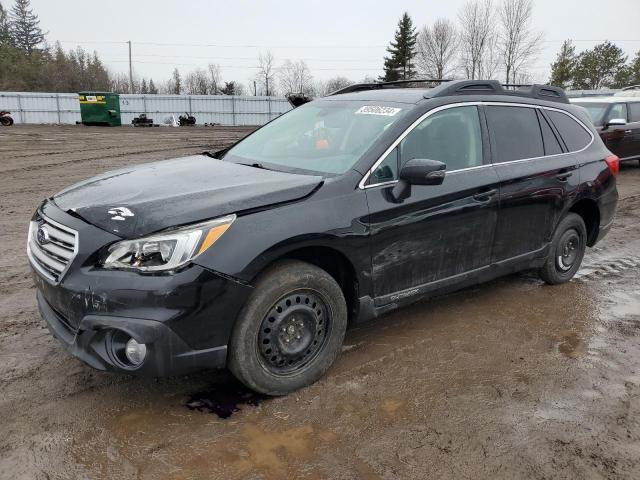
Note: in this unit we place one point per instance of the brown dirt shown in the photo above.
(511, 379)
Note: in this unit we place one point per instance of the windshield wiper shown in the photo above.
(255, 165)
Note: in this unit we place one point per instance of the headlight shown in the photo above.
(167, 250)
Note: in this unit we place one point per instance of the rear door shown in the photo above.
(439, 231)
(633, 127)
(535, 178)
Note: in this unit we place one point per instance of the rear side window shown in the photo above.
(516, 133)
(551, 143)
(634, 112)
(573, 134)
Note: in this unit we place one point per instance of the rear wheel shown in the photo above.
(567, 250)
(290, 331)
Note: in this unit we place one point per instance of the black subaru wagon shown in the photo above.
(338, 211)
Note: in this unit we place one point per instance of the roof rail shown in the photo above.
(631, 87)
(493, 87)
(448, 87)
(357, 87)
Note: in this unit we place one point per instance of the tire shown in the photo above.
(6, 121)
(567, 250)
(290, 331)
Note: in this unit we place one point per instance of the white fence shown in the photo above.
(35, 107)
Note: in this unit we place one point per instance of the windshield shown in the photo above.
(596, 110)
(323, 136)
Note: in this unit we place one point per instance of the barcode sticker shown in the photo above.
(377, 110)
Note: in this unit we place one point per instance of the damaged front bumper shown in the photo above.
(184, 318)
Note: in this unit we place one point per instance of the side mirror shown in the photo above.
(616, 122)
(418, 171)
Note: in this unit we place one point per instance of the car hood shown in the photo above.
(146, 198)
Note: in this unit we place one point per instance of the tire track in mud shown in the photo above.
(597, 266)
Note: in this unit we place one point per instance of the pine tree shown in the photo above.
(5, 33)
(143, 87)
(25, 27)
(399, 64)
(176, 86)
(628, 75)
(562, 69)
(597, 68)
(635, 69)
(152, 87)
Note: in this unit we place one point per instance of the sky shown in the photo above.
(346, 38)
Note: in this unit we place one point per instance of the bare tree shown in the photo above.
(323, 88)
(437, 49)
(266, 72)
(517, 42)
(295, 77)
(197, 82)
(174, 85)
(215, 79)
(120, 83)
(477, 39)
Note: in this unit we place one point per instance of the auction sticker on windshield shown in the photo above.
(377, 110)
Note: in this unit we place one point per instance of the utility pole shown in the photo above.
(130, 69)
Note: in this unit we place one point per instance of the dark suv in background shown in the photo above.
(341, 210)
(617, 120)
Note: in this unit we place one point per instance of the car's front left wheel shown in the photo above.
(291, 329)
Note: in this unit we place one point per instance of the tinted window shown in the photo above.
(451, 136)
(516, 133)
(573, 134)
(596, 110)
(619, 110)
(634, 112)
(551, 143)
(387, 170)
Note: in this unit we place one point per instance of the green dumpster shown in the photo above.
(100, 108)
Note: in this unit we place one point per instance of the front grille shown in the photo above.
(51, 247)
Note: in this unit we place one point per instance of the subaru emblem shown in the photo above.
(42, 235)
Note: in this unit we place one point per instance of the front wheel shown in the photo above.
(290, 331)
(6, 121)
(567, 250)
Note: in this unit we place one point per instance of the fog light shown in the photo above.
(135, 352)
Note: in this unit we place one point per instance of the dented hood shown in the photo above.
(146, 198)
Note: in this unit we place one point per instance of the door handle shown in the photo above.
(563, 176)
(628, 131)
(485, 196)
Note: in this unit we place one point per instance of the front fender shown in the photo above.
(256, 240)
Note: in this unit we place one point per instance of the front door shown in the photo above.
(618, 138)
(441, 231)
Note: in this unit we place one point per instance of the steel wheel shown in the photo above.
(293, 332)
(568, 250)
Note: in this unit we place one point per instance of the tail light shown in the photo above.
(613, 162)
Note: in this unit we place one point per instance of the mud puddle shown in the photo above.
(224, 399)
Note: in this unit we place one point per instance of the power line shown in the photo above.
(217, 45)
(209, 57)
(232, 66)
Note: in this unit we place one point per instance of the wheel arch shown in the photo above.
(332, 260)
(589, 211)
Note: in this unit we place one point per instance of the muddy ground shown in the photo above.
(511, 379)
